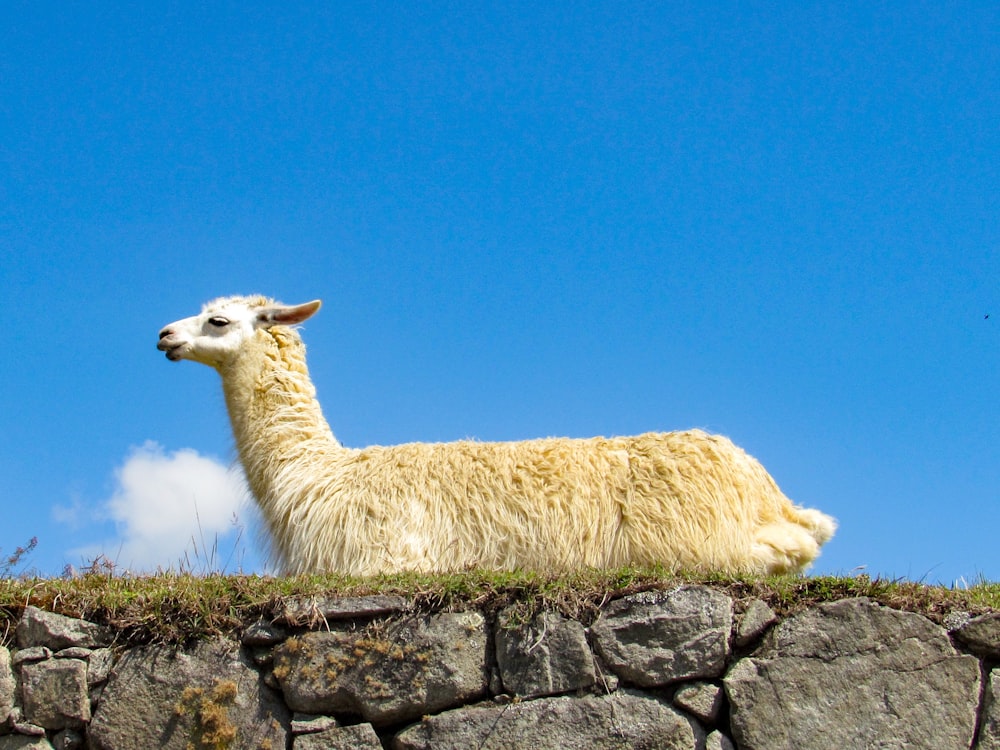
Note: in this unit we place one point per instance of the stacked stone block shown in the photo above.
(687, 668)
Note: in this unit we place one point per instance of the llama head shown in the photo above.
(215, 336)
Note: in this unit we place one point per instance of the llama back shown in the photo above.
(684, 500)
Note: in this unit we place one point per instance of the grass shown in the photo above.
(180, 607)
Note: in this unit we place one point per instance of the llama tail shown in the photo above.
(819, 525)
(789, 545)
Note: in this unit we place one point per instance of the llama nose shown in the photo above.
(165, 332)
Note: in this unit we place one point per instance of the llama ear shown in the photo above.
(290, 315)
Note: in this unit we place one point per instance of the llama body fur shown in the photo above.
(687, 500)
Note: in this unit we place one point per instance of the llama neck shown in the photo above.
(272, 405)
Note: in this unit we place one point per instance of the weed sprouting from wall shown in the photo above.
(11, 566)
(213, 728)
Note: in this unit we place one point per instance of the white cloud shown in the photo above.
(175, 511)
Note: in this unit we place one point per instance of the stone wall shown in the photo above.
(687, 669)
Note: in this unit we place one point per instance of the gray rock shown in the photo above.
(416, 666)
(99, 665)
(32, 653)
(20, 726)
(269, 680)
(263, 633)
(718, 741)
(261, 656)
(854, 674)
(659, 638)
(210, 696)
(989, 729)
(68, 739)
(356, 737)
(40, 628)
(981, 635)
(55, 693)
(547, 657)
(313, 611)
(750, 626)
(607, 681)
(73, 652)
(311, 723)
(22, 742)
(622, 720)
(702, 700)
(6, 685)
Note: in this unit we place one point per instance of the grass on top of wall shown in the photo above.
(180, 607)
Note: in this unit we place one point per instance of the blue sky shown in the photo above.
(777, 222)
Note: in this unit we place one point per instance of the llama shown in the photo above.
(685, 500)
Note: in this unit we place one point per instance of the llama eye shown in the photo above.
(219, 322)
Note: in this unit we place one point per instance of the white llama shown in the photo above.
(687, 500)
